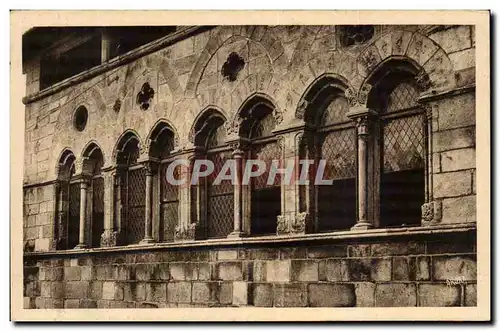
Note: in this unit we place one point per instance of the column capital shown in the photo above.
(360, 111)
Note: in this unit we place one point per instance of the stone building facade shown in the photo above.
(390, 108)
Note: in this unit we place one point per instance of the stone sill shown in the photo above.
(313, 237)
(116, 62)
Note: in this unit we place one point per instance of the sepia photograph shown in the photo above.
(327, 163)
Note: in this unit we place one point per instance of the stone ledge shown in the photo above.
(144, 50)
(314, 237)
(446, 94)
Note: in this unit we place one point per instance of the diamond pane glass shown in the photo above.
(169, 204)
(264, 126)
(217, 137)
(73, 215)
(267, 153)
(339, 151)
(220, 200)
(404, 96)
(336, 111)
(97, 210)
(403, 144)
(135, 205)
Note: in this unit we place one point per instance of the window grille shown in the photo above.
(134, 196)
(220, 199)
(97, 210)
(265, 199)
(73, 215)
(402, 182)
(169, 204)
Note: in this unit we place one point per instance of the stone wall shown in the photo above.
(424, 270)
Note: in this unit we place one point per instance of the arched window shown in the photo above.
(402, 149)
(68, 214)
(94, 162)
(217, 201)
(265, 198)
(132, 190)
(332, 141)
(161, 148)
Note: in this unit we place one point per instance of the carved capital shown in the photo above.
(232, 127)
(431, 213)
(278, 116)
(301, 109)
(423, 81)
(358, 98)
(109, 238)
(292, 223)
(185, 233)
(144, 148)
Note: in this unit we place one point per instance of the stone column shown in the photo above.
(82, 241)
(186, 229)
(431, 210)
(109, 236)
(361, 115)
(148, 226)
(105, 46)
(291, 220)
(238, 194)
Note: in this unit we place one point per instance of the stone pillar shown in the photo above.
(186, 230)
(361, 115)
(82, 241)
(148, 225)
(238, 194)
(291, 220)
(109, 236)
(105, 46)
(431, 209)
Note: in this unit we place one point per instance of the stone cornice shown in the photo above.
(446, 94)
(334, 237)
(118, 61)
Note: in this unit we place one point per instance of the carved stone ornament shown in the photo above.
(182, 233)
(191, 136)
(278, 116)
(282, 225)
(117, 105)
(358, 98)
(233, 65)
(423, 81)
(301, 109)
(298, 225)
(144, 148)
(431, 213)
(232, 127)
(109, 238)
(145, 96)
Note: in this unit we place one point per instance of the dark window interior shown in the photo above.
(401, 197)
(266, 206)
(337, 205)
(54, 69)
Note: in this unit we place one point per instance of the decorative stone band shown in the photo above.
(109, 238)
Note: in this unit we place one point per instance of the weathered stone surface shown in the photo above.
(365, 294)
(360, 269)
(381, 269)
(240, 293)
(304, 270)
(229, 271)
(403, 268)
(290, 295)
(262, 295)
(179, 292)
(396, 295)
(334, 270)
(471, 295)
(331, 295)
(453, 39)
(76, 289)
(454, 267)
(452, 184)
(278, 271)
(463, 59)
(157, 292)
(438, 295)
(454, 139)
(458, 159)
(459, 210)
(456, 112)
(423, 271)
